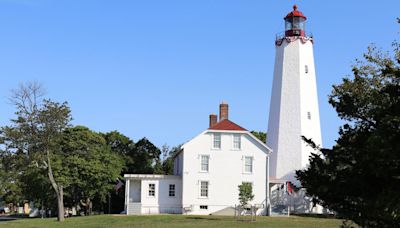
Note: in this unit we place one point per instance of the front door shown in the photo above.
(135, 191)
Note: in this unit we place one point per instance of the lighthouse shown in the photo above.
(294, 108)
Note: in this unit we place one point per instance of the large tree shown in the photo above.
(33, 134)
(89, 166)
(123, 146)
(359, 177)
(146, 157)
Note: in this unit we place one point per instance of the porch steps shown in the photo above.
(135, 209)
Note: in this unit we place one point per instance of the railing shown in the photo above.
(282, 35)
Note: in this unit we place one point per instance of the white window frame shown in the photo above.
(245, 165)
(201, 163)
(306, 69)
(233, 141)
(214, 141)
(207, 189)
(206, 207)
(309, 115)
(151, 190)
(173, 191)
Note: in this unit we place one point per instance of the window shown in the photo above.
(152, 189)
(204, 163)
(248, 164)
(237, 144)
(306, 69)
(217, 141)
(309, 115)
(203, 207)
(203, 188)
(171, 190)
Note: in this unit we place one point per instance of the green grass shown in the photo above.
(166, 221)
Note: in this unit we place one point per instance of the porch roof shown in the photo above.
(150, 176)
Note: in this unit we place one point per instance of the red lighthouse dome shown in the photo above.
(295, 23)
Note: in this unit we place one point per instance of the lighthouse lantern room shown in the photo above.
(295, 23)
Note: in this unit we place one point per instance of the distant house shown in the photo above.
(207, 172)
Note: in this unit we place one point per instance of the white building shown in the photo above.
(294, 108)
(207, 172)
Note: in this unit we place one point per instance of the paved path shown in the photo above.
(7, 218)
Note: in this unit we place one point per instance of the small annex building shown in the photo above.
(207, 172)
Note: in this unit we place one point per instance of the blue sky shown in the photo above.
(157, 69)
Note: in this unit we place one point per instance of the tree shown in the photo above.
(168, 159)
(245, 193)
(123, 146)
(359, 177)
(10, 183)
(262, 136)
(89, 165)
(34, 132)
(146, 157)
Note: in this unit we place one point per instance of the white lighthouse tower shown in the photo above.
(294, 104)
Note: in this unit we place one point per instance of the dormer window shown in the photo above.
(216, 141)
(237, 143)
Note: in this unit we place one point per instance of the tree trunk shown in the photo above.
(58, 189)
(60, 202)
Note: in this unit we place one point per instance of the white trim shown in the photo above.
(150, 176)
(201, 163)
(269, 150)
(208, 189)
(127, 189)
(148, 190)
(213, 139)
(244, 164)
(169, 190)
(233, 142)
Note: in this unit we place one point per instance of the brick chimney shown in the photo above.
(223, 111)
(213, 120)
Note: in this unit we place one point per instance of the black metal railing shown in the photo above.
(282, 35)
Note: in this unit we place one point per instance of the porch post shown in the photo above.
(268, 203)
(127, 186)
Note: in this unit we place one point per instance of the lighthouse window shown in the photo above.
(288, 24)
(309, 115)
(306, 69)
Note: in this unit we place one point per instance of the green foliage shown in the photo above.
(44, 158)
(10, 187)
(146, 157)
(359, 177)
(262, 136)
(124, 147)
(168, 159)
(29, 142)
(87, 166)
(245, 193)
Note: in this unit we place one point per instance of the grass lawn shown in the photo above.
(166, 221)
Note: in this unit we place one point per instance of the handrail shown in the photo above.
(282, 35)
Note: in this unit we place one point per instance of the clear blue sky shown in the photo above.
(159, 68)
